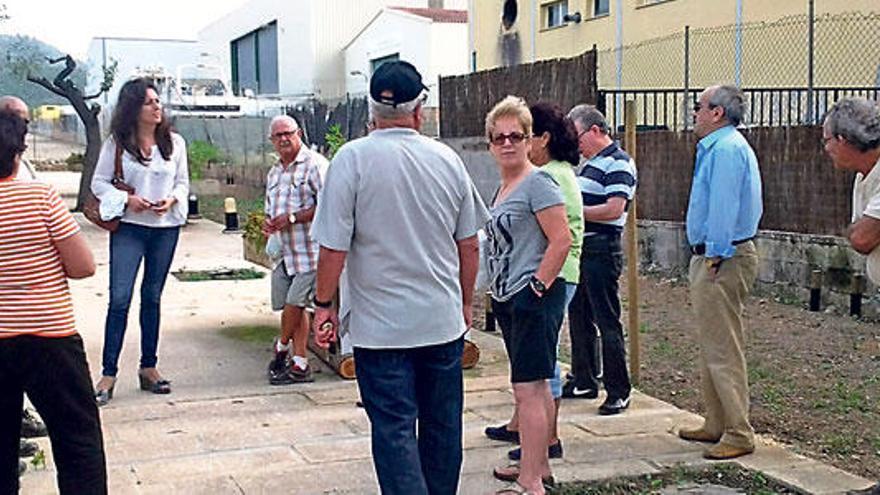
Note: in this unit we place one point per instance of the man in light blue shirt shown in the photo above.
(722, 219)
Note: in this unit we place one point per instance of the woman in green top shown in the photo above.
(554, 148)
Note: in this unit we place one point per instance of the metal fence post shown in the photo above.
(632, 255)
(811, 118)
(685, 105)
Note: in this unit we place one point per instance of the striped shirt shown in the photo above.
(291, 189)
(34, 296)
(608, 174)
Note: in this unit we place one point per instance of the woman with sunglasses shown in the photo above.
(154, 165)
(528, 241)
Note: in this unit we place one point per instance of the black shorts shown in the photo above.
(530, 327)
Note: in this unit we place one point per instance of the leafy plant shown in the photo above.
(199, 154)
(39, 460)
(334, 139)
(253, 229)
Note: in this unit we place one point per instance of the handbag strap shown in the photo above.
(117, 164)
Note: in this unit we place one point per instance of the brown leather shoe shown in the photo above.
(698, 435)
(722, 451)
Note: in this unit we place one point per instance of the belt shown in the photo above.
(700, 249)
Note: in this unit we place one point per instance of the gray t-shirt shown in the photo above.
(397, 202)
(516, 242)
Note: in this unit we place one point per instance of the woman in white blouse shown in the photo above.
(154, 165)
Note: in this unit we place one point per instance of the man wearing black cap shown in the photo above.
(400, 212)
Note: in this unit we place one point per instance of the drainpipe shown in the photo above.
(535, 14)
(737, 75)
(472, 54)
(618, 18)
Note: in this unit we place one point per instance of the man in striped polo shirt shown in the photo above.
(292, 188)
(608, 184)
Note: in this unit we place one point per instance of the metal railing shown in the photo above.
(671, 109)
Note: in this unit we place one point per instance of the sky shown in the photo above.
(69, 25)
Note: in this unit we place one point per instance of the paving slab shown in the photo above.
(225, 430)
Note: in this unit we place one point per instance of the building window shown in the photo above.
(554, 14)
(508, 14)
(600, 7)
(376, 62)
(255, 61)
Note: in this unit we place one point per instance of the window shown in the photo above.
(255, 61)
(600, 7)
(508, 14)
(376, 62)
(554, 14)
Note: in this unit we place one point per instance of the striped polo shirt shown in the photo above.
(34, 296)
(608, 174)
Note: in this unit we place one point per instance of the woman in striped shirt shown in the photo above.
(40, 351)
(154, 164)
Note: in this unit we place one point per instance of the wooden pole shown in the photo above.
(632, 254)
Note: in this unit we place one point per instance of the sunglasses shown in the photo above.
(283, 134)
(513, 137)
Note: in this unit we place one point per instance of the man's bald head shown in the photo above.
(14, 104)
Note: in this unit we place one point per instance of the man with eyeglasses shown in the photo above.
(851, 138)
(724, 209)
(608, 185)
(292, 188)
(401, 214)
(17, 106)
(31, 426)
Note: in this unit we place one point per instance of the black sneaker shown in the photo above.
(31, 427)
(26, 448)
(570, 391)
(278, 367)
(300, 375)
(553, 452)
(502, 434)
(614, 406)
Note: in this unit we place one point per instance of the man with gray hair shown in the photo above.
(292, 188)
(400, 212)
(724, 209)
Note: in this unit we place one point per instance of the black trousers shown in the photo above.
(597, 304)
(55, 375)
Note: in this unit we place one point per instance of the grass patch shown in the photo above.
(848, 398)
(254, 334)
(728, 475)
(221, 274)
(840, 444)
(212, 207)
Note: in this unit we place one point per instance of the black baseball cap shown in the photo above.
(399, 78)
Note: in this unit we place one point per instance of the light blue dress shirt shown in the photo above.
(725, 202)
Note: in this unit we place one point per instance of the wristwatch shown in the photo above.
(321, 304)
(537, 285)
(291, 218)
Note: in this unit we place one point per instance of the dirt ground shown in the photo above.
(815, 377)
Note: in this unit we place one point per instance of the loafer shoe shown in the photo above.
(553, 452)
(571, 391)
(31, 426)
(502, 434)
(723, 451)
(698, 435)
(511, 473)
(27, 448)
(614, 406)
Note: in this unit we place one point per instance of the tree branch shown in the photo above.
(42, 81)
(92, 97)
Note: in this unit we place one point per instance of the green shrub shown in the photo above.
(199, 154)
(334, 139)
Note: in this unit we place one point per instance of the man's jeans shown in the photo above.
(128, 246)
(54, 374)
(414, 398)
(596, 303)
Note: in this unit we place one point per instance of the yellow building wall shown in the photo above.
(771, 56)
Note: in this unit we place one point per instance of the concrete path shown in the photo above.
(224, 430)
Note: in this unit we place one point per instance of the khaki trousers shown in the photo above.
(718, 305)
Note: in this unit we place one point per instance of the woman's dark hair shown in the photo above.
(563, 144)
(13, 130)
(126, 116)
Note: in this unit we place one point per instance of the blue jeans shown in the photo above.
(128, 246)
(414, 398)
(556, 381)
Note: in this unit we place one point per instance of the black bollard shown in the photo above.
(490, 315)
(855, 295)
(193, 208)
(815, 290)
(231, 217)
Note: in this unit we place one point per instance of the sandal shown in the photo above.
(160, 386)
(511, 473)
(514, 488)
(103, 395)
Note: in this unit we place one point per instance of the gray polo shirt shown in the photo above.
(397, 202)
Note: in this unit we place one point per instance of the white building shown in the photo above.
(134, 55)
(294, 49)
(434, 40)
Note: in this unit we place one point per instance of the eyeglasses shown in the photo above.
(823, 141)
(513, 137)
(283, 134)
(699, 106)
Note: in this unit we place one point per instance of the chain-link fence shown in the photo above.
(846, 52)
